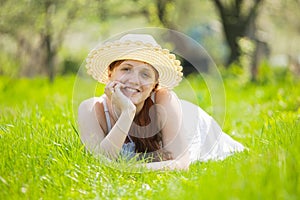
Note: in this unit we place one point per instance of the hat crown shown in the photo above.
(144, 38)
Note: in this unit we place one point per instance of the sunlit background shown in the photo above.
(51, 37)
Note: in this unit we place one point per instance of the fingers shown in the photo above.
(118, 92)
(117, 88)
(111, 88)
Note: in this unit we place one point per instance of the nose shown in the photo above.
(134, 78)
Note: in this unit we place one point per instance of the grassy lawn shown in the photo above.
(41, 156)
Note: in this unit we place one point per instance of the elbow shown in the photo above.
(183, 162)
(109, 150)
(102, 150)
(186, 165)
(183, 165)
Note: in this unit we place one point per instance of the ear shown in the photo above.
(155, 87)
(109, 74)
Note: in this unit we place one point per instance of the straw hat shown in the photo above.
(139, 47)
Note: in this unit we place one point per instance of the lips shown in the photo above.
(129, 91)
(132, 89)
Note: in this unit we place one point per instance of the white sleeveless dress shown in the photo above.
(206, 140)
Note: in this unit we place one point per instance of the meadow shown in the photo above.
(41, 156)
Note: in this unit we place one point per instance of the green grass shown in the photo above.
(41, 156)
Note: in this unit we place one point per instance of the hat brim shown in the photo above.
(168, 67)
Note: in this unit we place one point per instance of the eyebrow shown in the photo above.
(144, 67)
(126, 62)
(149, 69)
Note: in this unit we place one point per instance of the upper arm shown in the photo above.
(172, 131)
(91, 133)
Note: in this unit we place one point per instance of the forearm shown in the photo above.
(113, 142)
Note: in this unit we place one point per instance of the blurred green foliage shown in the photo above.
(9, 67)
(51, 36)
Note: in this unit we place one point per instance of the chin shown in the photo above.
(135, 101)
(136, 98)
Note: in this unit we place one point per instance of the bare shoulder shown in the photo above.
(91, 108)
(164, 96)
(90, 120)
(167, 104)
(89, 105)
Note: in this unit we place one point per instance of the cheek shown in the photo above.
(148, 88)
(115, 76)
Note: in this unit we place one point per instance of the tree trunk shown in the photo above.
(235, 24)
(50, 57)
(235, 50)
(48, 42)
(162, 13)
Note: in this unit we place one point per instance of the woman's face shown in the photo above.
(138, 77)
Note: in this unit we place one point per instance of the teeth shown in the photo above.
(132, 90)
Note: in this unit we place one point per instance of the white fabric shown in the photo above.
(206, 139)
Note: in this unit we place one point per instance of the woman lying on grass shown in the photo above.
(139, 117)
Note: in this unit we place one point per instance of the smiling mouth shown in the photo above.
(131, 90)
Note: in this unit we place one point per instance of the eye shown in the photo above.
(125, 69)
(146, 75)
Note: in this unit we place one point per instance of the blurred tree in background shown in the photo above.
(37, 28)
(237, 16)
(285, 15)
(46, 37)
